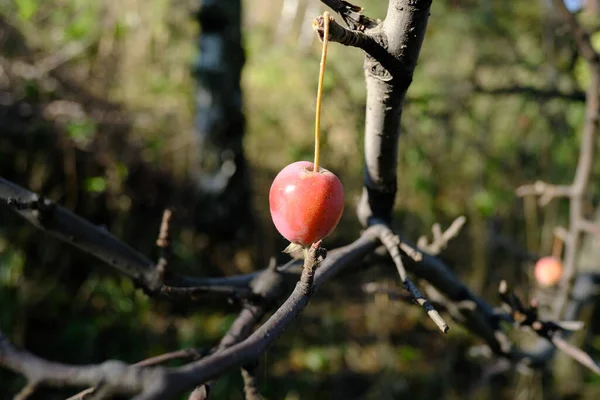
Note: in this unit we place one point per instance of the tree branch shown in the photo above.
(98, 242)
(577, 189)
(80, 233)
(37, 371)
(531, 91)
(401, 34)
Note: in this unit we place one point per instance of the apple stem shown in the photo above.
(320, 91)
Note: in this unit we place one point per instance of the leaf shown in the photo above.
(26, 9)
(485, 202)
(95, 184)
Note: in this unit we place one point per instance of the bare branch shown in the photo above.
(401, 34)
(577, 354)
(183, 354)
(589, 227)
(250, 385)
(370, 43)
(38, 371)
(351, 14)
(545, 191)
(76, 231)
(80, 233)
(27, 391)
(391, 241)
(441, 239)
(163, 242)
(586, 156)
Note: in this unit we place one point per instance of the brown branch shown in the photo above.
(589, 227)
(391, 241)
(586, 157)
(163, 242)
(160, 383)
(38, 371)
(98, 242)
(182, 354)
(528, 317)
(80, 233)
(370, 43)
(251, 391)
(441, 238)
(268, 286)
(27, 391)
(546, 192)
(351, 14)
(250, 348)
(576, 191)
(577, 354)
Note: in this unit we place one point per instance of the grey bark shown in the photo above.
(388, 78)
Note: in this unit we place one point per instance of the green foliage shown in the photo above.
(26, 8)
(96, 184)
(463, 150)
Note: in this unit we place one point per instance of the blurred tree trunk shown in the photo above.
(224, 189)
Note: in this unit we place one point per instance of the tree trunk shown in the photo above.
(223, 184)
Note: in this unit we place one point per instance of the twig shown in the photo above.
(546, 192)
(163, 242)
(27, 391)
(527, 317)
(351, 14)
(441, 239)
(250, 348)
(577, 354)
(38, 371)
(266, 287)
(586, 157)
(251, 391)
(370, 43)
(390, 241)
(76, 231)
(395, 294)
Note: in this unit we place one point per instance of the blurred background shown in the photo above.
(119, 109)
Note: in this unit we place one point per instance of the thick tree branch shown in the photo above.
(268, 286)
(183, 354)
(471, 311)
(38, 371)
(98, 242)
(80, 233)
(401, 34)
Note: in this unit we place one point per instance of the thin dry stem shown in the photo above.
(320, 92)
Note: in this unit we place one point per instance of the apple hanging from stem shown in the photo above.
(306, 201)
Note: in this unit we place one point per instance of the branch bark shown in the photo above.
(401, 34)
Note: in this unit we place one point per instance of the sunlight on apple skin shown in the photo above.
(306, 206)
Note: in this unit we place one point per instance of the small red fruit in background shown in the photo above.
(305, 205)
(305, 200)
(548, 271)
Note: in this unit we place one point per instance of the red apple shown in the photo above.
(305, 205)
(548, 271)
